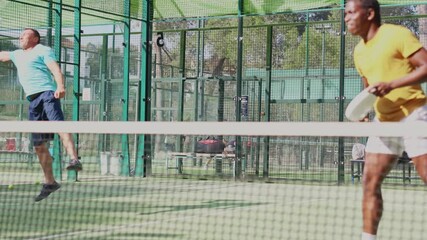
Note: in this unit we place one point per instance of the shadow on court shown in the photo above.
(140, 236)
(213, 204)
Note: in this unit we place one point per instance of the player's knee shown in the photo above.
(423, 177)
(421, 167)
(371, 183)
(41, 148)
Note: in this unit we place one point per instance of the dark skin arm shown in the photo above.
(419, 75)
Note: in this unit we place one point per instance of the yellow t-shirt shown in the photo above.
(384, 58)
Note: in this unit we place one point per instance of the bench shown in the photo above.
(180, 156)
(357, 166)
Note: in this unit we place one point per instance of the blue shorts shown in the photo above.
(44, 107)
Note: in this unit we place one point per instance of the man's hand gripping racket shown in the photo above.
(361, 105)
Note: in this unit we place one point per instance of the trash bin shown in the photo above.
(110, 163)
(104, 156)
(115, 161)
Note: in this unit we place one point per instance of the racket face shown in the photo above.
(360, 106)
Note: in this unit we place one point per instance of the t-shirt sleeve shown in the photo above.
(357, 68)
(356, 60)
(48, 55)
(12, 56)
(409, 43)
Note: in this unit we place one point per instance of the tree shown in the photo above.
(93, 60)
(422, 10)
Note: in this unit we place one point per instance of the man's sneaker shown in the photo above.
(47, 189)
(75, 164)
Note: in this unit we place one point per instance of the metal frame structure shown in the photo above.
(148, 15)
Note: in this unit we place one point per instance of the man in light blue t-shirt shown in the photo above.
(36, 64)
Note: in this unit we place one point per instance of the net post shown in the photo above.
(72, 176)
(143, 159)
(57, 15)
(124, 157)
(341, 167)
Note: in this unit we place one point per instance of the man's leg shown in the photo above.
(67, 140)
(36, 113)
(45, 160)
(377, 166)
(420, 163)
(53, 112)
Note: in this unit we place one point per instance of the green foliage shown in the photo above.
(9, 111)
(411, 23)
(7, 45)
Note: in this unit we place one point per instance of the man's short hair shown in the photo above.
(374, 4)
(35, 32)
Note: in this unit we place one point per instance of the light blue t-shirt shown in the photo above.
(33, 73)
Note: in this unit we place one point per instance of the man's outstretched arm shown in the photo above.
(4, 56)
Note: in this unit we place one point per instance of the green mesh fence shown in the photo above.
(107, 11)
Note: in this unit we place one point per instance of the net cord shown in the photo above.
(331, 129)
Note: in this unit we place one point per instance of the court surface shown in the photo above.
(171, 208)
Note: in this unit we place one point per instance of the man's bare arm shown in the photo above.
(59, 79)
(4, 56)
(419, 75)
(365, 82)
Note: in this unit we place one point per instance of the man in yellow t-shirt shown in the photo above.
(392, 63)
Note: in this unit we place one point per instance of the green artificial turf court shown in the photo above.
(171, 208)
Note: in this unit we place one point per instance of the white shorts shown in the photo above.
(414, 146)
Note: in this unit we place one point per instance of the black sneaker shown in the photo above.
(75, 164)
(47, 189)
